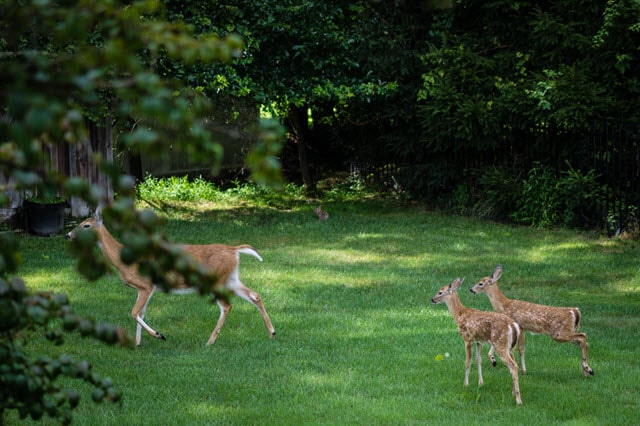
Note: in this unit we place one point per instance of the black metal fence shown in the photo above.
(610, 151)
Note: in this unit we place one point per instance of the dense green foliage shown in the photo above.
(357, 339)
(339, 64)
(297, 53)
(556, 63)
(509, 85)
(31, 385)
(543, 197)
(156, 191)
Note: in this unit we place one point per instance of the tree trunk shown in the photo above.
(299, 129)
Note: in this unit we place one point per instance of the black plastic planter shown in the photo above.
(44, 219)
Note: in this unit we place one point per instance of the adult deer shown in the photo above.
(561, 324)
(223, 260)
(480, 327)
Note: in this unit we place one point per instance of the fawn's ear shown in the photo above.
(455, 284)
(497, 273)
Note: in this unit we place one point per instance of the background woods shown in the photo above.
(466, 102)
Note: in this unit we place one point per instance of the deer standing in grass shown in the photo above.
(480, 327)
(223, 260)
(559, 323)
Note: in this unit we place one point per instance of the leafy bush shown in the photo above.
(177, 189)
(540, 202)
(541, 198)
(31, 386)
(460, 201)
(583, 197)
(199, 189)
(498, 188)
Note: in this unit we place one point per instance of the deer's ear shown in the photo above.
(455, 284)
(98, 213)
(497, 273)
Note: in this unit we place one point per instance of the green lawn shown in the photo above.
(357, 340)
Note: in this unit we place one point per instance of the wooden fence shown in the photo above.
(69, 160)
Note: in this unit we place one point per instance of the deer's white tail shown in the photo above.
(251, 251)
(515, 333)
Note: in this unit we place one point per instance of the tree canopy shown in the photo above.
(326, 59)
(509, 84)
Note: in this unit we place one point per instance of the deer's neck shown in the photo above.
(498, 300)
(454, 305)
(110, 247)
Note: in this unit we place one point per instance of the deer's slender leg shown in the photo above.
(467, 362)
(225, 307)
(138, 311)
(479, 362)
(254, 298)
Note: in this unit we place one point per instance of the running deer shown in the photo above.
(221, 259)
(480, 327)
(559, 323)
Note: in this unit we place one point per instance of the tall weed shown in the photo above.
(540, 203)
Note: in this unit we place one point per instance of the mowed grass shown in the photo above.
(357, 339)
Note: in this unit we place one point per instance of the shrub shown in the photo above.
(177, 189)
(498, 188)
(543, 197)
(583, 197)
(30, 385)
(540, 202)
